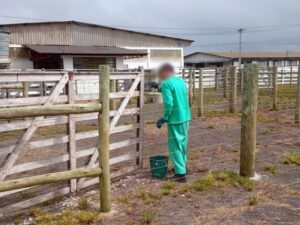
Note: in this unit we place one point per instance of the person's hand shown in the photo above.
(153, 84)
(160, 122)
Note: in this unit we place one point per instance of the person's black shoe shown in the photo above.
(173, 170)
(181, 178)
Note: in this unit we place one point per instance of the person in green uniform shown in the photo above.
(177, 116)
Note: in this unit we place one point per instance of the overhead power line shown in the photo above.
(222, 30)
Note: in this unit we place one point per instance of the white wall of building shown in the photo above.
(120, 63)
(149, 62)
(19, 58)
(67, 62)
(21, 63)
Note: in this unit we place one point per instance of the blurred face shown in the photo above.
(165, 74)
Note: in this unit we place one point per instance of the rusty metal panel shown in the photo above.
(43, 34)
(83, 35)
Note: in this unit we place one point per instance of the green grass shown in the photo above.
(148, 197)
(292, 158)
(271, 168)
(262, 118)
(68, 217)
(222, 179)
(165, 192)
(193, 154)
(253, 200)
(168, 185)
(83, 204)
(148, 217)
(220, 113)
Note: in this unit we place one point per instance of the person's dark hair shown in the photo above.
(166, 67)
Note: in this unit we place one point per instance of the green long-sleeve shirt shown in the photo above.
(175, 100)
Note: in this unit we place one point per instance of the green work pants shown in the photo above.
(177, 145)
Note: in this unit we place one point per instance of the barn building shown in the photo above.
(220, 59)
(76, 45)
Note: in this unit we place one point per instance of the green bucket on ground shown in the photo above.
(159, 166)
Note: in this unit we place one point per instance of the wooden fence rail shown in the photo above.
(65, 105)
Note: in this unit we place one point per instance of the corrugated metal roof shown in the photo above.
(99, 26)
(84, 50)
(256, 55)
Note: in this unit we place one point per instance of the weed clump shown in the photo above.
(168, 185)
(148, 217)
(68, 217)
(292, 158)
(271, 168)
(148, 196)
(208, 182)
(83, 203)
(222, 179)
(124, 199)
(252, 200)
(165, 192)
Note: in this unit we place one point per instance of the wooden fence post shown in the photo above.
(297, 115)
(225, 81)
(291, 76)
(200, 94)
(113, 88)
(140, 121)
(71, 128)
(248, 124)
(241, 80)
(194, 83)
(190, 88)
(216, 80)
(103, 126)
(25, 89)
(274, 82)
(233, 84)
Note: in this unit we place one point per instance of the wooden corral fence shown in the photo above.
(214, 77)
(230, 80)
(56, 138)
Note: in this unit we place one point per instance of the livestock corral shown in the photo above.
(224, 127)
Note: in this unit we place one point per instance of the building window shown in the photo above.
(93, 62)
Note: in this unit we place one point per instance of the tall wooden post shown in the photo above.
(25, 89)
(297, 115)
(194, 83)
(140, 121)
(274, 83)
(71, 127)
(200, 94)
(190, 88)
(248, 124)
(216, 80)
(241, 80)
(182, 75)
(225, 86)
(113, 88)
(233, 85)
(105, 186)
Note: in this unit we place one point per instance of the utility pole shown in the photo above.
(240, 47)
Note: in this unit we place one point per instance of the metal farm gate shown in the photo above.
(38, 145)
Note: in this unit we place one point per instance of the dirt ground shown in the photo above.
(214, 193)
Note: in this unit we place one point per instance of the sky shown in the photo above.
(269, 25)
